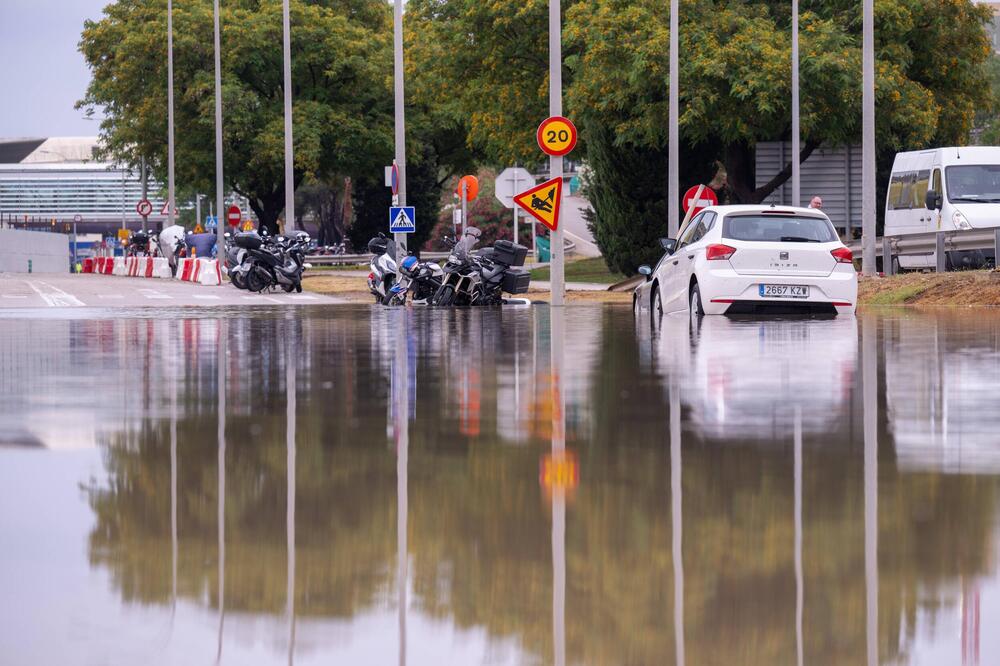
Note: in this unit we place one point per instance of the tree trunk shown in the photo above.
(268, 208)
(740, 171)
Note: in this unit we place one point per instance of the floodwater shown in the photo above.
(362, 486)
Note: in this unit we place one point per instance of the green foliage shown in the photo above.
(485, 213)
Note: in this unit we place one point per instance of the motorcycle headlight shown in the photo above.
(960, 221)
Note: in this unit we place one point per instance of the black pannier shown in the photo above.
(516, 281)
(509, 254)
(248, 240)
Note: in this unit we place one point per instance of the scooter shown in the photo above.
(383, 268)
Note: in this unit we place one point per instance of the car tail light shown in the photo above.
(719, 251)
(843, 255)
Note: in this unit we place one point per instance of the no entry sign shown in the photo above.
(234, 215)
(692, 199)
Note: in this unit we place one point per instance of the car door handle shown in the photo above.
(690, 256)
(676, 261)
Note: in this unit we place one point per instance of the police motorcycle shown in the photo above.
(418, 279)
(383, 268)
(482, 277)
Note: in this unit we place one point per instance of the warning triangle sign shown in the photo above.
(543, 202)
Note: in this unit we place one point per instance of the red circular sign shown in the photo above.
(556, 136)
(234, 215)
(706, 199)
(144, 208)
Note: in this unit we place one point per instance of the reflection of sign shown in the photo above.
(509, 182)
(402, 220)
(543, 202)
(144, 207)
(234, 215)
(706, 199)
(559, 470)
(556, 136)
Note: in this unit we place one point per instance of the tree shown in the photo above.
(342, 103)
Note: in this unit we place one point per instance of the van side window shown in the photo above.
(897, 200)
(936, 182)
(919, 191)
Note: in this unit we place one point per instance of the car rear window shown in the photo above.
(779, 228)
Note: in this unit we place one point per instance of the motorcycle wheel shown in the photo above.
(238, 280)
(255, 282)
(288, 288)
(444, 296)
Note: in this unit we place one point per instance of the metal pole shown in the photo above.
(515, 205)
(289, 155)
(940, 259)
(796, 167)
(123, 196)
(197, 209)
(887, 267)
(400, 114)
(145, 192)
(868, 143)
(170, 112)
(220, 227)
(673, 139)
(465, 214)
(556, 163)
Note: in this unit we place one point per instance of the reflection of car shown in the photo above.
(744, 381)
(752, 260)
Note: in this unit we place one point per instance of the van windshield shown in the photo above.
(973, 183)
(779, 229)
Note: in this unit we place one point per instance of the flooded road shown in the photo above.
(364, 486)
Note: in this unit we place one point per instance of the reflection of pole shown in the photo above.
(290, 501)
(173, 489)
(401, 431)
(870, 417)
(558, 491)
(221, 382)
(798, 535)
(677, 519)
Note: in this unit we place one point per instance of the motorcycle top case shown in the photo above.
(248, 240)
(509, 253)
(516, 281)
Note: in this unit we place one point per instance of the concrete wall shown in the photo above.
(49, 253)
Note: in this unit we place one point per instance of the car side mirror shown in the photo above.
(932, 200)
(668, 244)
(646, 271)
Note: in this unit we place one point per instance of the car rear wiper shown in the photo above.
(797, 239)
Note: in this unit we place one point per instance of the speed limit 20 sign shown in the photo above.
(556, 136)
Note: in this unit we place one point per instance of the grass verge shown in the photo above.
(591, 270)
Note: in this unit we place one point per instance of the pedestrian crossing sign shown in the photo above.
(402, 220)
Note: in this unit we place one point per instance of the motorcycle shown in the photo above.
(269, 263)
(173, 245)
(481, 278)
(138, 245)
(420, 280)
(235, 256)
(383, 268)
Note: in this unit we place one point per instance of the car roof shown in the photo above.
(761, 208)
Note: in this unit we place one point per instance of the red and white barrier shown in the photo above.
(145, 267)
(201, 271)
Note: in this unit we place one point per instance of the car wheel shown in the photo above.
(656, 304)
(695, 303)
(636, 309)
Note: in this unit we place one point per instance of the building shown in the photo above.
(58, 179)
(993, 28)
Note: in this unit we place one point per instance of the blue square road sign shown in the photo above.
(402, 220)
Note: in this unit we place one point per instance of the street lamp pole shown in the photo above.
(673, 150)
(220, 226)
(868, 142)
(400, 119)
(170, 113)
(556, 163)
(289, 155)
(796, 166)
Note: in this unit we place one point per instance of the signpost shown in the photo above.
(234, 215)
(402, 220)
(697, 198)
(543, 202)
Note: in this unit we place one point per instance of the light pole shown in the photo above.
(868, 142)
(796, 167)
(289, 155)
(400, 119)
(556, 163)
(673, 150)
(220, 227)
(170, 113)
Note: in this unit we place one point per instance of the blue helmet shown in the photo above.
(410, 263)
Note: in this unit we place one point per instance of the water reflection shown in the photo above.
(807, 521)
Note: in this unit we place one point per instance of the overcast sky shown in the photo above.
(42, 74)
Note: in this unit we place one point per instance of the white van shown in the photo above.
(945, 189)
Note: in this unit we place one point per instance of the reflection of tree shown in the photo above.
(479, 523)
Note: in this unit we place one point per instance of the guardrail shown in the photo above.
(359, 259)
(936, 243)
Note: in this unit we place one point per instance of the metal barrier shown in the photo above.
(363, 259)
(936, 243)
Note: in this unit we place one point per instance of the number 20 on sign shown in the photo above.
(556, 136)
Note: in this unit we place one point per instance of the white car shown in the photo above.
(752, 260)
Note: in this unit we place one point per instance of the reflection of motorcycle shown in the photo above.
(481, 278)
(419, 279)
(383, 267)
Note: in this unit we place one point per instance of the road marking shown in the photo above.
(110, 296)
(302, 297)
(14, 296)
(158, 296)
(210, 297)
(56, 298)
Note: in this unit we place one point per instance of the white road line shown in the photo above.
(158, 296)
(56, 298)
(210, 297)
(13, 296)
(110, 296)
(302, 297)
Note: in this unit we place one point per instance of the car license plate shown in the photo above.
(783, 291)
